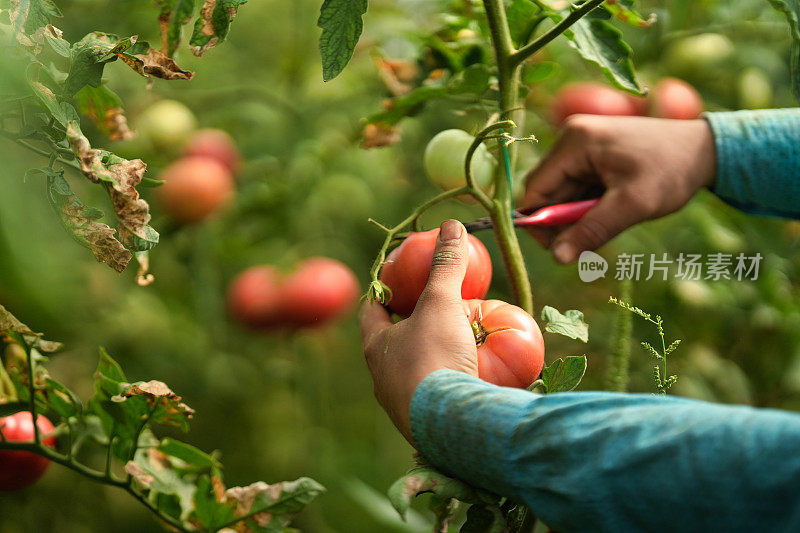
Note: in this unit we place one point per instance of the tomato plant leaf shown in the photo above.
(81, 222)
(563, 375)
(597, 41)
(570, 324)
(623, 10)
(539, 72)
(341, 25)
(173, 16)
(523, 18)
(104, 108)
(208, 509)
(8, 409)
(30, 15)
(424, 478)
(164, 406)
(213, 24)
(187, 453)
(9, 324)
(791, 9)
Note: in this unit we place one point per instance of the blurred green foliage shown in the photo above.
(285, 405)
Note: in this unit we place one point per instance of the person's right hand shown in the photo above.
(644, 167)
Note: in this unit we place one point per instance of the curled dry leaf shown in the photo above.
(121, 175)
(377, 134)
(10, 324)
(212, 25)
(143, 277)
(158, 392)
(397, 74)
(155, 63)
(98, 237)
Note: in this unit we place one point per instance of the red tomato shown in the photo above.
(20, 469)
(592, 99)
(215, 144)
(195, 188)
(254, 297)
(408, 266)
(676, 99)
(510, 344)
(319, 290)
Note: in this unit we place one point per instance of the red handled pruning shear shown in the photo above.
(553, 215)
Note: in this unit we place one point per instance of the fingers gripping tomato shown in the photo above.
(408, 266)
(19, 469)
(510, 343)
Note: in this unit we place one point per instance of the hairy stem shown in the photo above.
(619, 366)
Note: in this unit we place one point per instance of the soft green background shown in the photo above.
(286, 405)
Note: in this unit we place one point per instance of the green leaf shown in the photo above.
(89, 57)
(570, 324)
(187, 453)
(474, 79)
(523, 17)
(341, 25)
(60, 399)
(173, 16)
(211, 513)
(623, 10)
(421, 479)
(213, 24)
(564, 375)
(539, 72)
(597, 41)
(104, 107)
(30, 15)
(791, 8)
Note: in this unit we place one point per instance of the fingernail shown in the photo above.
(450, 231)
(564, 252)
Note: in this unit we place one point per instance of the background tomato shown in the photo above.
(215, 144)
(167, 124)
(445, 156)
(319, 290)
(19, 469)
(510, 343)
(408, 266)
(254, 296)
(676, 99)
(195, 188)
(592, 99)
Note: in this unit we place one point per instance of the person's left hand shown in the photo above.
(437, 335)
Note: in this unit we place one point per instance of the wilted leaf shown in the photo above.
(378, 134)
(121, 176)
(173, 16)
(564, 375)
(341, 25)
(10, 324)
(104, 107)
(81, 222)
(166, 407)
(213, 24)
(150, 62)
(570, 324)
(30, 15)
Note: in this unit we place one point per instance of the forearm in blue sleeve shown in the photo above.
(758, 160)
(596, 461)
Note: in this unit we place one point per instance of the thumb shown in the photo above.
(449, 265)
(610, 217)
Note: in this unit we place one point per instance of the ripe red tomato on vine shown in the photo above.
(408, 266)
(21, 469)
(510, 343)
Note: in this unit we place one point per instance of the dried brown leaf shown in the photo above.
(377, 134)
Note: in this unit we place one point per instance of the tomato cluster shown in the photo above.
(670, 98)
(20, 469)
(318, 291)
(509, 342)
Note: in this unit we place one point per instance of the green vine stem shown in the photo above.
(501, 210)
(377, 290)
(619, 366)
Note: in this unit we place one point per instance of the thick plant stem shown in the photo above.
(619, 366)
(501, 213)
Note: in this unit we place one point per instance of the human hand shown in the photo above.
(437, 335)
(645, 168)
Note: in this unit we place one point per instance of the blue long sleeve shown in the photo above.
(758, 160)
(601, 461)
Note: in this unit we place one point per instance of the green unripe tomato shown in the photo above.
(445, 156)
(754, 89)
(699, 54)
(167, 124)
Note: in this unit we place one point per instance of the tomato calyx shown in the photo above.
(478, 329)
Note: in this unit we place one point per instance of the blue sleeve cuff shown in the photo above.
(450, 433)
(758, 160)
